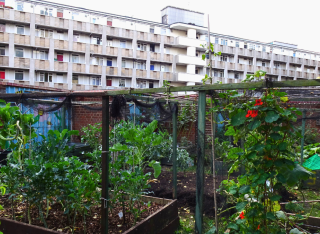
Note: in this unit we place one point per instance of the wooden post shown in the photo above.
(105, 165)
(63, 118)
(200, 161)
(303, 130)
(174, 150)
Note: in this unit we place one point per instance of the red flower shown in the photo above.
(241, 215)
(258, 228)
(258, 102)
(254, 113)
(249, 113)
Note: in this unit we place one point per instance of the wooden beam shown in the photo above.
(200, 162)
(105, 165)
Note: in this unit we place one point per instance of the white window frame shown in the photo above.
(142, 84)
(123, 43)
(151, 30)
(237, 44)
(43, 55)
(122, 82)
(18, 72)
(123, 63)
(18, 50)
(21, 27)
(20, 4)
(95, 80)
(45, 77)
(73, 56)
(76, 37)
(109, 42)
(263, 64)
(2, 50)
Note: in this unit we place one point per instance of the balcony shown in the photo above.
(95, 49)
(186, 77)
(266, 69)
(310, 62)
(168, 58)
(142, 36)
(78, 87)
(186, 42)
(60, 66)
(21, 16)
(95, 69)
(4, 13)
(61, 44)
(79, 26)
(141, 73)
(224, 49)
(154, 37)
(96, 28)
(61, 23)
(126, 33)
(52, 21)
(79, 67)
(311, 75)
(42, 42)
(284, 72)
(231, 66)
(4, 60)
(220, 64)
(93, 87)
(155, 74)
(299, 74)
(250, 68)
(4, 37)
(245, 52)
(112, 71)
(168, 76)
(295, 60)
(40, 64)
(141, 54)
(112, 51)
(112, 31)
(155, 56)
(22, 39)
(184, 59)
(263, 55)
(60, 86)
(169, 40)
(126, 52)
(126, 72)
(79, 46)
(279, 57)
(240, 67)
(276, 71)
(291, 73)
(43, 84)
(21, 62)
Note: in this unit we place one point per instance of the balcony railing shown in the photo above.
(250, 68)
(112, 71)
(168, 58)
(79, 46)
(95, 69)
(112, 31)
(78, 67)
(52, 21)
(263, 55)
(4, 13)
(142, 36)
(42, 42)
(60, 85)
(224, 49)
(126, 52)
(22, 62)
(4, 37)
(266, 69)
(155, 56)
(310, 62)
(127, 33)
(141, 73)
(4, 60)
(60, 66)
(240, 67)
(96, 28)
(231, 66)
(126, 71)
(154, 37)
(43, 84)
(245, 52)
(155, 74)
(141, 54)
(22, 16)
(168, 40)
(40, 64)
(112, 51)
(96, 49)
(279, 57)
(79, 26)
(61, 44)
(295, 60)
(168, 76)
(22, 39)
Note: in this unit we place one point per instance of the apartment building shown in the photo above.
(54, 45)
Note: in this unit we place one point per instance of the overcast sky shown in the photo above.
(295, 22)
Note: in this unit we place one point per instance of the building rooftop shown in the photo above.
(182, 9)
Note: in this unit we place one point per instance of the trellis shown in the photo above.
(202, 92)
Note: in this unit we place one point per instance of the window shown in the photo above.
(166, 50)
(236, 75)
(109, 42)
(45, 77)
(165, 19)
(245, 45)
(224, 42)
(109, 22)
(151, 85)
(76, 37)
(294, 54)
(18, 75)
(60, 35)
(94, 20)
(151, 29)
(75, 58)
(263, 49)
(19, 6)
(123, 44)
(142, 84)
(221, 74)
(2, 74)
(163, 31)
(100, 61)
(277, 65)
(217, 41)
(109, 82)
(2, 50)
(2, 27)
(123, 63)
(152, 67)
(60, 13)
(19, 52)
(197, 71)
(141, 65)
(44, 33)
(96, 40)
(237, 44)
(142, 47)
(109, 62)
(20, 30)
(152, 47)
(46, 11)
(59, 78)
(263, 64)
(95, 80)
(223, 58)
(60, 57)
(75, 80)
(250, 62)
(43, 55)
(122, 83)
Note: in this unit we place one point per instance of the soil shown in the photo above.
(162, 187)
(59, 222)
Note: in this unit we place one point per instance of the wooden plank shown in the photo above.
(174, 150)
(200, 161)
(105, 165)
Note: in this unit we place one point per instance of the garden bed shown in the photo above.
(160, 217)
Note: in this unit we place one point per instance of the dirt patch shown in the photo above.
(58, 221)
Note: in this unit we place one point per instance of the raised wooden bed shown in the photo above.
(163, 221)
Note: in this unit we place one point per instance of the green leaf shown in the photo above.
(295, 231)
(212, 230)
(238, 119)
(281, 178)
(281, 215)
(254, 124)
(244, 189)
(241, 205)
(118, 147)
(230, 131)
(275, 198)
(156, 167)
(233, 226)
(282, 146)
(36, 119)
(298, 173)
(271, 117)
(71, 195)
(204, 57)
(275, 136)
(270, 216)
